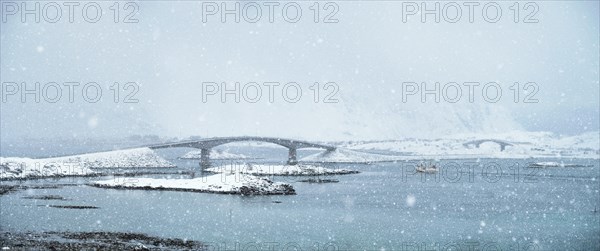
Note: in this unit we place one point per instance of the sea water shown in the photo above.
(470, 204)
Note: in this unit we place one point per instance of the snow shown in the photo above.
(279, 170)
(410, 200)
(76, 165)
(129, 158)
(546, 164)
(341, 155)
(525, 145)
(229, 183)
(214, 154)
(19, 168)
(553, 164)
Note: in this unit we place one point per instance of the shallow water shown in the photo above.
(386, 206)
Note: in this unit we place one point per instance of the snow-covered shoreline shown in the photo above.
(280, 170)
(523, 145)
(545, 164)
(80, 165)
(345, 156)
(25, 168)
(342, 155)
(235, 183)
(214, 155)
(129, 158)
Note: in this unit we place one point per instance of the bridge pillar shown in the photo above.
(205, 158)
(292, 157)
(502, 147)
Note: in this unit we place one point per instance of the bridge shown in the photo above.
(477, 143)
(205, 145)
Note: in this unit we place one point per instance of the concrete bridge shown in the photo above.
(205, 145)
(477, 143)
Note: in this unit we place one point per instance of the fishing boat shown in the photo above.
(423, 168)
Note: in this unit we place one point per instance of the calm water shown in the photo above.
(386, 206)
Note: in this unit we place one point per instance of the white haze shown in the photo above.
(369, 53)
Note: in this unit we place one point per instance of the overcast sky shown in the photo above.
(368, 54)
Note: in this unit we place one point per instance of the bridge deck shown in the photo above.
(213, 142)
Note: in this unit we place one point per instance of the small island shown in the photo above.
(231, 183)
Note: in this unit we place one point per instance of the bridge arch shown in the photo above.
(477, 143)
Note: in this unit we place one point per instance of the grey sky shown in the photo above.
(369, 53)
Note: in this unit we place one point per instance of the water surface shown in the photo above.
(386, 206)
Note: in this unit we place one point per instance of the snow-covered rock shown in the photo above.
(214, 154)
(78, 165)
(229, 183)
(553, 164)
(21, 168)
(279, 170)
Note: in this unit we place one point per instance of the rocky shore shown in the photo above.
(92, 241)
